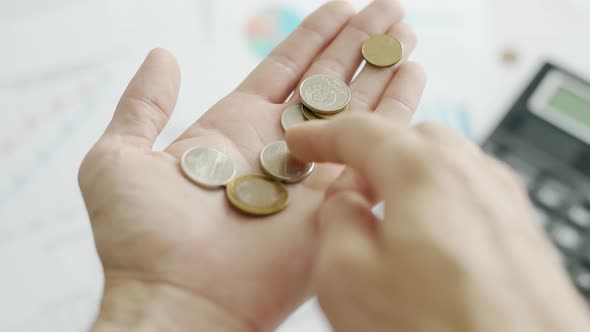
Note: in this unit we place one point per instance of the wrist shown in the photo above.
(139, 306)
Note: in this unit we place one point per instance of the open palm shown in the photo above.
(151, 223)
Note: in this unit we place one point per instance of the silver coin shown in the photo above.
(324, 94)
(308, 114)
(207, 167)
(281, 165)
(291, 116)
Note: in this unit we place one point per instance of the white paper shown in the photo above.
(63, 68)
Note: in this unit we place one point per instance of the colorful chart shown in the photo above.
(268, 27)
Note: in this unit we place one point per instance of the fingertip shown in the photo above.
(325, 140)
(299, 128)
(161, 53)
(164, 59)
(300, 136)
(340, 7)
(148, 101)
(392, 6)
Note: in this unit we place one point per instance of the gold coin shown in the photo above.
(308, 114)
(331, 116)
(382, 51)
(257, 195)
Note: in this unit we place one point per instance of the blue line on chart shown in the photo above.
(46, 154)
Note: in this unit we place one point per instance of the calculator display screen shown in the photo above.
(564, 101)
(572, 105)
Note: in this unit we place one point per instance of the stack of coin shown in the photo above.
(322, 97)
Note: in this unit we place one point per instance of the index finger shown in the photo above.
(364, 143)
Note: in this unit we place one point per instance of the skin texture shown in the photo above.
(458, 249)
(178, 257)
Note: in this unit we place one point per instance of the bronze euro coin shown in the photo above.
(257, 195)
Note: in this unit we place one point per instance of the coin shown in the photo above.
(291, 116)
(207, 167)
(382, 50)
(277, 161)
(308, 114)
(331, 116)
(257, 194)
(324, 94)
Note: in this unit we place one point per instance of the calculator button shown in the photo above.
(586, 253)
(552, 194)
(582, 280)
(566, 237)
(579, 216)
(582, 163)
(581, 277)
(527, 172)
(543, 217)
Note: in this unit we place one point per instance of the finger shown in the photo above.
(441, 135)
(342, 58)
(507, 176)
(148, 101)
(402, 97)
(280, 72)
(368, 87)
(347, 247)
(347, 229)
(364, 143)
(349, 180)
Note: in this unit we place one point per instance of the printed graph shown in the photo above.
(268, 26)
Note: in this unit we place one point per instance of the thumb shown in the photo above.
(148, 101)
(348, 231)
(347, 252)
(346, 215)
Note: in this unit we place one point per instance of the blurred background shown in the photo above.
(64, 64)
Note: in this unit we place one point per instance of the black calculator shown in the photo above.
(546, 139)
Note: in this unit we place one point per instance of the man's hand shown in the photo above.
(458, 250)
(164, 240)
